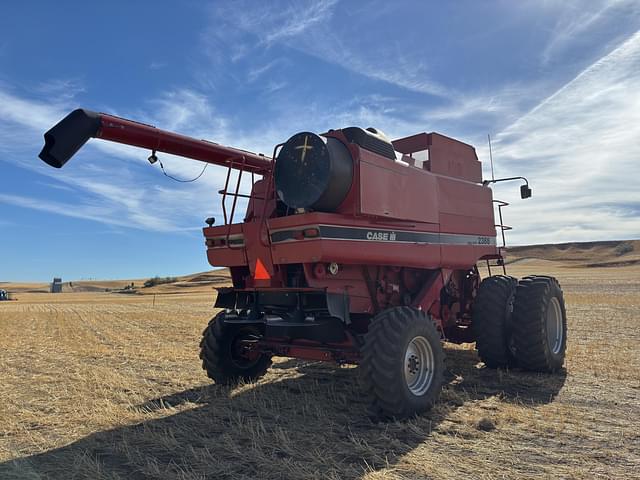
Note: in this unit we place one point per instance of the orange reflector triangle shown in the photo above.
(261, 272)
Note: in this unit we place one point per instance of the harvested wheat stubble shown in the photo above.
(108, 386)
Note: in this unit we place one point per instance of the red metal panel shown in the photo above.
(257, 244)
(321, 218)
(412, 144)
(463, 198)
(308, 350)
(463, 257)
(453, 158)
(220, 230)
(349, 280)
(392, 190)
(447, 156)
(466, 224)
(352, 252)
(225, 256)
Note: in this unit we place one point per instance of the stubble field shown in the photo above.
(109, 386)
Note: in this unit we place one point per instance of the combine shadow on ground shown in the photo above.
(306, 421)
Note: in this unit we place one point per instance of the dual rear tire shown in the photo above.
(539, 324)
(492, 317)
(521, 323)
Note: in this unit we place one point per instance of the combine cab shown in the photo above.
(355, 249)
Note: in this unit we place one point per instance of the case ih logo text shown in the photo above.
(382, 236)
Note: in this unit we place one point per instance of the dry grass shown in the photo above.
(107, 386)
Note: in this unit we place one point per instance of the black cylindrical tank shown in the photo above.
(313, 172)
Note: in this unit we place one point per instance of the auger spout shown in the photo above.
(69, 135)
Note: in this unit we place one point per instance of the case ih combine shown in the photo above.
(347, 253)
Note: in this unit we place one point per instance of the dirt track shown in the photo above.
(101, 385)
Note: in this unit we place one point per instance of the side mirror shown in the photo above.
(525, 191)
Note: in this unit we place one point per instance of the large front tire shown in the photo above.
(540, 324)
(222, 357)
(402, 363)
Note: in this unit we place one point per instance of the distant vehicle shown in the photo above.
(4, 295)
(56, 285)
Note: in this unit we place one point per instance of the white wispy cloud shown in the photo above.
(86, 212)
(30, 114)
(392, 66)
(306, 26)
(61, 89)
(296, 19)
(268, 23)
(580, 149)
(577, 21)
(156, 65)
(111, 183)
(257, 72)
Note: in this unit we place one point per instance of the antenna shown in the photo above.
(491, 157)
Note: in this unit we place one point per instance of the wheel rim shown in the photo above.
(236, 351)
(555, 331)
(419, 365)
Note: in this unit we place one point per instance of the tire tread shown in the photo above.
(383, 346)
(215, 338)
(491, 320)
(532, 300)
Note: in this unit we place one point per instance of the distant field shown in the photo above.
(587, 254)
(105, 385)
(195, 283)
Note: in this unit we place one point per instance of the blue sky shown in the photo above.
(556, 84)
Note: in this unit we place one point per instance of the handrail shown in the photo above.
(235, 201)
(234, 163)
(268, 190)
(503, 227)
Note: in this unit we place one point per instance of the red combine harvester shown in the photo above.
(350, 254)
